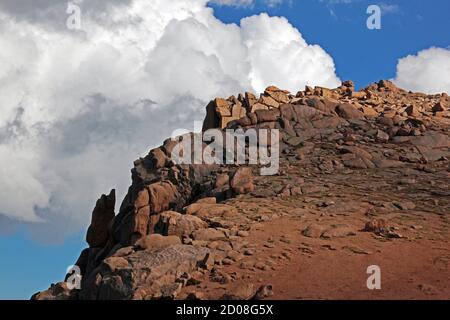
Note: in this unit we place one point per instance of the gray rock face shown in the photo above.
(145, 275)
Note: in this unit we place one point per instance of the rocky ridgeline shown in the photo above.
(175, 225)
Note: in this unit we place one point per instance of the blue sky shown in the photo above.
(28, 266)
(338, 26)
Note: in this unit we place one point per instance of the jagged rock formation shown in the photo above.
(345, 156)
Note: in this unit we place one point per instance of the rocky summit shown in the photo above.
(363, 181)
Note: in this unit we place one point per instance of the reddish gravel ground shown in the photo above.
(323, 269)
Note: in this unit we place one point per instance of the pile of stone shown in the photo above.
(171, 222)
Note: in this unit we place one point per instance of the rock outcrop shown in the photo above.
(180, 224)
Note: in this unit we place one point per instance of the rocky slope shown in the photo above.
(364, 180)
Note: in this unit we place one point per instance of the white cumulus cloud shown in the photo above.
(279, 54)
(428, 71)
(77, 107)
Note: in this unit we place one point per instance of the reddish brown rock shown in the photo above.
(356, 151)
(314, 231)
(205, 210)
(222, 180)
(440, 107)
(412, 111)
(175, 224)
(387, 85)
(266, 115)
(158, 158)
(287, 112)
(242, 181)
(209, 234)
(264, 292)
(223, 107)
(349, 112)
(280, 96)
(382, 136)
(212, 119)
(358, 94)
(58, 291)
(386, 121)
(258, 106)
(139, 225)
(112, 264)
(243, 291)
(348, 84)
(377, 226)
(268, 101)
(369, 112)
(208, 200)
(157, 242)
(245, 121)
(250, 100)
(161, 196)
(103, 213)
